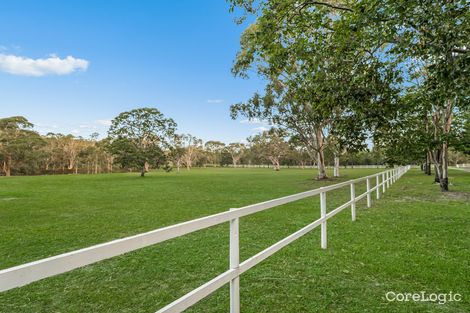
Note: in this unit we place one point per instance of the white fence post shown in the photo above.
(368, 192)
(377, 186)
(353, 202)
(388, 179)
(383, 182)
(234, 264)
(323, 216)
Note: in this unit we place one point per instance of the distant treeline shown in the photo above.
(26, 152)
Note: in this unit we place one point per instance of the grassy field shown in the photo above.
(413, 239)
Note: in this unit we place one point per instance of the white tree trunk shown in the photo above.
(336, 167)
(320, 154)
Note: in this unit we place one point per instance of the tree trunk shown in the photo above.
(142, 171)
(7, 166)
(234, 161)
(336, 169)
(444, 181)
(428, 164)
(437, 167)
(321, 156)
(437, 172)
(71, 164)
(110, 164)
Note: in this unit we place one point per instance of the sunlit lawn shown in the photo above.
(413, 239)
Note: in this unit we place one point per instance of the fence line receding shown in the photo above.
(29, 272)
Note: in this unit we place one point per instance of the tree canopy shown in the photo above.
(358, 69)
(138, 138)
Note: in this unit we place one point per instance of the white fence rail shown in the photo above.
(27, 273)
(304, 166)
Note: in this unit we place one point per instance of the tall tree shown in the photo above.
(431, 39)
(214, 149)
(236, 151)
(319, 73)
(18, 142)
(299, 153)
(176, 151)
(270, 145)
(139, 137)
(192, 149)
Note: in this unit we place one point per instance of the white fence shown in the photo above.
(27, 273)
(305, 166)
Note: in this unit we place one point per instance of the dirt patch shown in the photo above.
(411, 199)
(456, 195)
(8, 199)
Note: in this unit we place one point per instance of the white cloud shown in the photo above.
(53, 65)
(215, 101)
(254, 121)
(260, 129)
(105, 122)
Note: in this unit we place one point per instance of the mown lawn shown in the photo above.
(413, 239)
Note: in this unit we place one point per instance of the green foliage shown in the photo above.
(19, 146)
(323, 77)
(345, 65)
(461, 141)
(139, 137)
(270, 145)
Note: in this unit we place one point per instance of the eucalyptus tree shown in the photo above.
(321, 76)
(176, 151)
(139, 138)
(431, 39)
(192, 147)
(236, 150)
(53, 155)
(462, 139)
(270, 145)
(299, 153)
(19, 144)
(70, 146)
(214, 150)
(442, 29)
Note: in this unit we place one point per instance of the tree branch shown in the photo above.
(330, 5)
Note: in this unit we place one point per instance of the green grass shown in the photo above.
(413, 239)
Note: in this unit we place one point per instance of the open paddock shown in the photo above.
(414, 238)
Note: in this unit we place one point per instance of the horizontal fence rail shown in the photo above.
(30, 272)
(303, 166)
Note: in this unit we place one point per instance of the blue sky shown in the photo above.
(172, 55)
